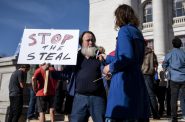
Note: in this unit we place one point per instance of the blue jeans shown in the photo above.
(150, 84)
(32, 104)
(85, 106)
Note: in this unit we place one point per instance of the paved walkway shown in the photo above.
(61, 118)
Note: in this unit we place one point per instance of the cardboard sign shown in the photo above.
(49, 46)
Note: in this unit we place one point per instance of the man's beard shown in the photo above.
(89, 51)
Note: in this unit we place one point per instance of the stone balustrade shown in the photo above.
(179, 20)
(176, 21)
(148, 25)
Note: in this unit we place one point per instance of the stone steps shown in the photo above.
(62, 118)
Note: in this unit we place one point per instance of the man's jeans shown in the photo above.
(16, 105)
(177, 88)
(149, 81)
(32, 104)
(85, 106)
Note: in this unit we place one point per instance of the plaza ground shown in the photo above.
(62, 118)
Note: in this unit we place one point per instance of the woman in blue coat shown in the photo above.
(128, 99)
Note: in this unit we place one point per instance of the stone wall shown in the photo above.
(7, 66)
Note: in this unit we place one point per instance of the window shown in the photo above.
(179, 6)
(148, 13)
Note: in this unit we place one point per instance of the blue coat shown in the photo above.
(128, 97)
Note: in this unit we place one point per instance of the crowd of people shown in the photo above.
(124, 86)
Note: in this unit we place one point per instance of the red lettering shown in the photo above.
(56, 38)
(33, 39)
(66, 37)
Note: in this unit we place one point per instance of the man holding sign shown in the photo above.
(44, 86)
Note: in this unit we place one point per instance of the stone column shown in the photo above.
(159, 28)
(162, 27)
(169, 20)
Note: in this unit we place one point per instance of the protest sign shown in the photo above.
(49, 46)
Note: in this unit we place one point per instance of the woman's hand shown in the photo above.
(108, 76)
(106, 70)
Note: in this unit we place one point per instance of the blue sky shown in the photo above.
(15, 15)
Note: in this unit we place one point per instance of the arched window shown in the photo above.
(179, 6)
(148, 13)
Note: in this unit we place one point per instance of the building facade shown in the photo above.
(160, 21)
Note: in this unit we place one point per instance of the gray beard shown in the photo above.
(89, 51)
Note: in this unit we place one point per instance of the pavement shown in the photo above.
(62, 118)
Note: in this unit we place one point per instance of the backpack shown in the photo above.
(149, 63)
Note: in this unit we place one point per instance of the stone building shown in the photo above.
(7, 66)
(160, 21)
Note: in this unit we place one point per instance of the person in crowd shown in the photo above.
(149, 68)
(32, 112)
(109, 59)
(163, 95)
(101, 50)
(100, 55)
(128, 98)
(59, 96)
(63, 101)
(16, 85)
(68, 102)
(44, 93)
(90, 96)
(174, 62)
